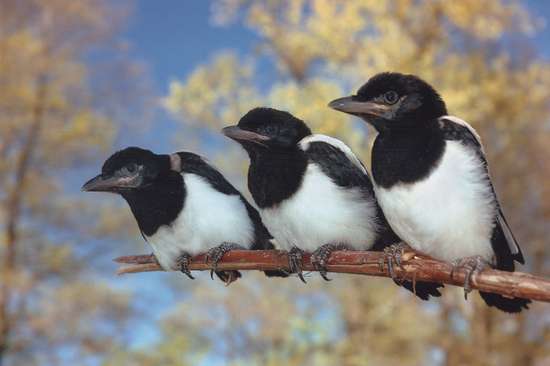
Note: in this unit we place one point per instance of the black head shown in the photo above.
(268, 129)
(129, 170)
(392, 100)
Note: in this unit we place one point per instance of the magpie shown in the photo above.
(313, 193)
(183, 207)
(432, 181)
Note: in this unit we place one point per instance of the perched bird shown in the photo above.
(313, 193)
(183, 207)
(432, 181)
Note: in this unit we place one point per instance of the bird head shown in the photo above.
(392, 101)
(128, 170)
(267, 129)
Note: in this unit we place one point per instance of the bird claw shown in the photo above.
(319, 257)
(183, 264)
(216, 254)
(473, 266)
(393, 255)
(295, 256)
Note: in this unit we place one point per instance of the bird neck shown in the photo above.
(157, 204)
(274, 176)
(406, 155)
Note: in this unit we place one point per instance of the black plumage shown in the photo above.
(311, 189)
(416, 149)
(156, 190)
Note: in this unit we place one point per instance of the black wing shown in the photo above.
(339, 163)
(193, 163)
(504, 244)
(458, 130)
(343, 168)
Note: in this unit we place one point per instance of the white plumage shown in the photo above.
(208, 219)
(448, 215)
(321, 212)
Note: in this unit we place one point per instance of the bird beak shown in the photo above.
(238, 134)
(351, 105)
(111, 184)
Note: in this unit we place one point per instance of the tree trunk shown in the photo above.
(12, 208)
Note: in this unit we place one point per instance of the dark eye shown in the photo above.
(270, 130)
(391, 97)
(129, 169)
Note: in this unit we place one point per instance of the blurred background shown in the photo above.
(81, 79)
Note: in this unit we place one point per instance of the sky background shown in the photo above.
(172, 37)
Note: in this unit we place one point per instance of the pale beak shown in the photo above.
(352, 106)
(238, 134)
(111, 183)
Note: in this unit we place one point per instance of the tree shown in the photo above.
(477, 55)
(51, 120)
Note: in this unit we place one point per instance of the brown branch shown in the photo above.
(415, 267)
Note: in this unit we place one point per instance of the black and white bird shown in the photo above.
(313, 193)
(183, 207)
(431, 179)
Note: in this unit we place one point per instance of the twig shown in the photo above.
(512, 284)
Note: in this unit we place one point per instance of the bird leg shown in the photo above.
(321, 255)
(295, 256)
(183, 264)
(393, 255)
(216, 254)
(473, 266)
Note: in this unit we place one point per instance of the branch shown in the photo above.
(415, 267)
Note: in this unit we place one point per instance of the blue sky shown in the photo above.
(172, 37)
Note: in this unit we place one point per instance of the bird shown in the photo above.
(432, 180)
(312, 192)
(183, 207)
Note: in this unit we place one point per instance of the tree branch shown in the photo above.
(415, 267)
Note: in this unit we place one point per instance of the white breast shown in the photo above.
(321, 213)
(208, 219)
(448, 215)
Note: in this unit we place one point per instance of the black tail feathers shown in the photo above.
(228, 276)
(508, 305)
(423, 290)
(276, 273)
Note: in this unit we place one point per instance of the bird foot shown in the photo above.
(320, 257)
(216, 254)
(183, 264)
(295, 256)
(393, 255)
(473, 266)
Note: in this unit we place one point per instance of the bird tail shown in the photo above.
(508, 305)
(505, 262)
(276, 273)
(228, 276)
(423, 290)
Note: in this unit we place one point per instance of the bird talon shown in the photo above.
(295, 256)
(216, 254)
(319, 257)
(473, 266)
(183, 264)
(393, 255)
